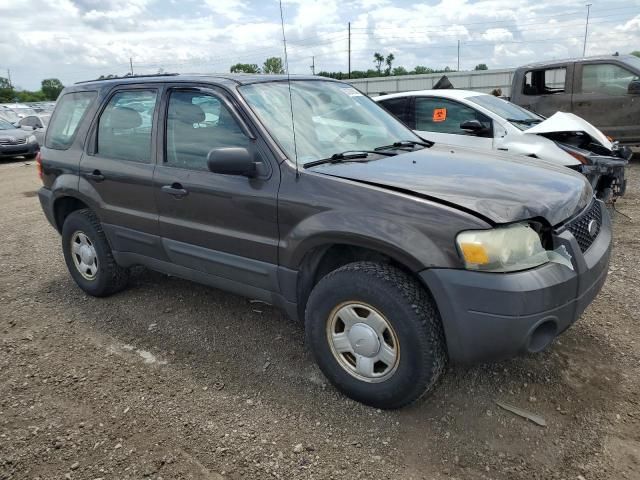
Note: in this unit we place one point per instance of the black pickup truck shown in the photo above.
(604, 90)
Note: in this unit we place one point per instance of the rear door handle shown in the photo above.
(175, 189)
(96, 176)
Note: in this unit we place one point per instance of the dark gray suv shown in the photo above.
(398, 254)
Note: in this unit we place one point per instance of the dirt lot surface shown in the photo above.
(174, 380)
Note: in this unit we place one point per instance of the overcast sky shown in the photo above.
(80, 39)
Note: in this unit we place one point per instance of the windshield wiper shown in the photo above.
(404, 143)
(526, 121)
(349, 155)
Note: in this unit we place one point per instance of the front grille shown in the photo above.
(580, 226)
(15, 141)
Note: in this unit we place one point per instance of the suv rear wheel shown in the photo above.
(375, 334)
(88, 255)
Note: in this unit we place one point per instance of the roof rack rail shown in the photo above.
(130, 76)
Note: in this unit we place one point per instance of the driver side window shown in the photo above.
(606, 79)
(440, 115)
(197, 123)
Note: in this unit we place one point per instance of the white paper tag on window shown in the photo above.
(352, 92)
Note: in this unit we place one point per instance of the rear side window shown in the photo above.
(70, 110)
(545, 82)
(397, 107)
(125, 125)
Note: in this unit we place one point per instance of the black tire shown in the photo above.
(410, 311)
(30, 156)
(110, 277)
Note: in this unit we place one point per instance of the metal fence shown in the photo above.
(481, 81)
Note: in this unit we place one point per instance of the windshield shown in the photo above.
(518, 116)
(4, 125)
(9, 115)
(329, 118)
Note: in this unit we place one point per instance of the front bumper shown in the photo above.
(493, 316)
(607, 176)
(17, 150)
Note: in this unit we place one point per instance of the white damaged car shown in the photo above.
(479, 121)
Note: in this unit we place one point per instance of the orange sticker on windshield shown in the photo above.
(439, 114)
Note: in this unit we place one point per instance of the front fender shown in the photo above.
(403, 242)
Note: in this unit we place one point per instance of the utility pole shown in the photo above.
(313, 65)
(131, 65)
(349, 49)
(458, 55)
(9, 77)
(586, 29)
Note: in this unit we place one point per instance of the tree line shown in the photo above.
(50, 88)
(383, 66)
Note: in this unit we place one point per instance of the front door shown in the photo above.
(439, 119)
(117, 170)
(602, 99)
(221, 225)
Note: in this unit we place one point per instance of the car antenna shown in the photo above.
(286, 65)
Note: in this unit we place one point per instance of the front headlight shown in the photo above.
(32, 139)
(502, 249)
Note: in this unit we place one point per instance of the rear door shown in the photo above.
(602, 99)
(117, 170)
(439, 119)
(222, 225)
(548, 90)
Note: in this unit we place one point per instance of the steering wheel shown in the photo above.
(348, 131)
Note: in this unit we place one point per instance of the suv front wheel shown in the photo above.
(88, 255)
(376, 334)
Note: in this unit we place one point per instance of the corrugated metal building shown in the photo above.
(482, 81)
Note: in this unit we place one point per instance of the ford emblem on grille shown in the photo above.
(592, 228)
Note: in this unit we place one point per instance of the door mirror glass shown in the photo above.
(232, 161)
(634, 87)
(473, 126)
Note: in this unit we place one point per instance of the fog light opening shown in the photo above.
(542, 336)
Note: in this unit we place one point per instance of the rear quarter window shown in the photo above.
(70, 110)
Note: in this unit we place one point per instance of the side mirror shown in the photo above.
(473, 126)
(233, 161)
(634, 87)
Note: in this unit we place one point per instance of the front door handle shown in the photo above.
(175, 189)
(96, 176)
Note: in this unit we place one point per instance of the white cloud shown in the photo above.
(81, 39)
(497, 34)
(231, 9)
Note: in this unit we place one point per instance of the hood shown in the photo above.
(501, 188)
(568, 122)
(15, 133)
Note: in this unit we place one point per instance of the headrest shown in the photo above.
(186, 112)
(125, 118)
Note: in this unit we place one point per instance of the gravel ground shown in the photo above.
(173, 380)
